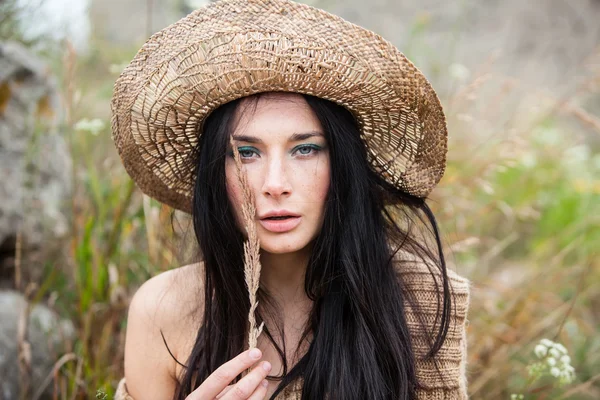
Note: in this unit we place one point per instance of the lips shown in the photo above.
(279, 213)
(280, 221)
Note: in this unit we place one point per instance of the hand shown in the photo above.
(253, 386)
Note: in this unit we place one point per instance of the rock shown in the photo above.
(35, 164)
(47, 335)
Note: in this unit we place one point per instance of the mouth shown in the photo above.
(280, 223)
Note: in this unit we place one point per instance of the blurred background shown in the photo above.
(519, 205)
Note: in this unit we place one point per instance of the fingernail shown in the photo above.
(255, 353)
(264, 383)
(266, 366)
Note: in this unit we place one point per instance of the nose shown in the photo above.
(276, 183)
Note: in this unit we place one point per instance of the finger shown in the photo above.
(227, 389)
(222, 377)
(260, 392)
(249, 384)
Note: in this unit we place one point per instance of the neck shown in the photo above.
(282, 275)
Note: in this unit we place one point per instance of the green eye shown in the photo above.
(307, 149)
(245, 152)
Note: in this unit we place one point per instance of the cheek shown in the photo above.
(322, 185)
(317, 182)
(234, 192)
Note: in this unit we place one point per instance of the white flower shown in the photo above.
(565, 359)
(569, 368)
(540, 351)
(560, 348)
(555, 353)
(547, 342)
(567, 377)
(555, 362)
(93, 126)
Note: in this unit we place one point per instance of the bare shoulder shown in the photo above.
(170, 295)
(166, 308)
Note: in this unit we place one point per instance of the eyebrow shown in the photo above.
(296, 137)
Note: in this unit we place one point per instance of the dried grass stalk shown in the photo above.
(24, 354)
(251, 248)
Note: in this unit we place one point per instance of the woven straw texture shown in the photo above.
(235, 48)
(451, 383)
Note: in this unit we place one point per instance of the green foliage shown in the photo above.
(532, 201)
(9, 27)
(11, 12)
(521, 212)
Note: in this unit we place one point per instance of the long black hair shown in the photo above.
(361, 345)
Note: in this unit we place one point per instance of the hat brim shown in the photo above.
(234, 48)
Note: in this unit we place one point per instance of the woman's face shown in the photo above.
(284, 154)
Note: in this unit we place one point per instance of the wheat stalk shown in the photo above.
(251, 248)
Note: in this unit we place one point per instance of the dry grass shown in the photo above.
(519, 204)
(252, 264)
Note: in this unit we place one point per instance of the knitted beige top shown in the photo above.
(450, 383)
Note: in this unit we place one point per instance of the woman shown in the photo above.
(339, 139)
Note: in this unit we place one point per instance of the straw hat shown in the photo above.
(235, 48)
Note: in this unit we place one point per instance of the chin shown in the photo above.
(282, 243)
